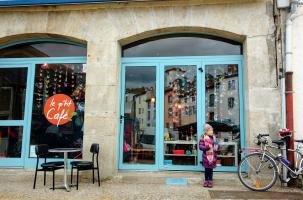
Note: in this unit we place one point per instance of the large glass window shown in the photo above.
(42, 49)
(180, 119)
(139, 143)
(182, 45)
(12, 93)
(11, 141)
(51, 79)
(223, 110)
(12, 106)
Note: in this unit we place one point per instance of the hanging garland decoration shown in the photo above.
(39, 89)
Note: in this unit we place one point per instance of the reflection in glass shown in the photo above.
(180, 119)
(12, 93)
(185, 45)
(10, 141)
(223, 110)
(42, 49)
(139, 115)
(51, 79)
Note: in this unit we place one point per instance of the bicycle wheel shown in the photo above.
(257, 173)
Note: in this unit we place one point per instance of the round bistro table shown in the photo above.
(65, 151)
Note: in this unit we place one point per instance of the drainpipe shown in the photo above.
(287, 86)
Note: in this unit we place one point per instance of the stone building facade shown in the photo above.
(106, 27)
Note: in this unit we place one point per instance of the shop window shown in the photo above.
(52, 79)
(13, 87)
(10, 141)
(184, 44)
(224, 113)
(43, 49)
(181, 133)
(12, 93)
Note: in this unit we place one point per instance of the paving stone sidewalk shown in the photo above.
(17, 184)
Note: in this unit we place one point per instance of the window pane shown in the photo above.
(223, 110)
(180, 120)
(140, 126)
(42, 49)
(182, 46)
(10, 141)
(12, 93)
(51, 79)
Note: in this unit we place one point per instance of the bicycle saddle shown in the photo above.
(278, 142)
(301, 141)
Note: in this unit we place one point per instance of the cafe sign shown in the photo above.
(59, 109)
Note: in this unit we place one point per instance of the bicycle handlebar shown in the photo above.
(262, 135)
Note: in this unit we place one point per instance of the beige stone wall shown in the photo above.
(297, 67)
(105, 29)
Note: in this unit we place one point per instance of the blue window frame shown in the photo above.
(200, 63)
(30, 64)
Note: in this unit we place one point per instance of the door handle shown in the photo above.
(200, 69)
(121, 118)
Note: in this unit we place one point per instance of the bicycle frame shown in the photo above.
(299, 158)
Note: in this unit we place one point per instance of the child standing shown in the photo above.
(208, 144)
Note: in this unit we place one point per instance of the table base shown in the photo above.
(66, 187)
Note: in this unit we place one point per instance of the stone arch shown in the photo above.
(171, 30)
(41, 36)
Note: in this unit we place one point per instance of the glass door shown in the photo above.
(138, 130)
(181, 115)
(224, 109)
(165, 103)
(14, 89)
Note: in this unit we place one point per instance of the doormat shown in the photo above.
(223, 194)
(176, 181)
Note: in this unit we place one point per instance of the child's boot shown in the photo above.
(205, 184)
(210, 184)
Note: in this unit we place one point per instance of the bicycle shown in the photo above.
(258, 171)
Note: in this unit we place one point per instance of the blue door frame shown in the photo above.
(160, 62)
(25, 161)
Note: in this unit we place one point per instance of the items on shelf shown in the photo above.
(178, 152)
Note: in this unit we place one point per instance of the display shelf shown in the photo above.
(234, 153)
(180, 142)
(192, 155)
(183, 144)
(225, 156)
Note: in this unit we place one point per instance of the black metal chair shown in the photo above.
(87, 165)
(42, 152)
